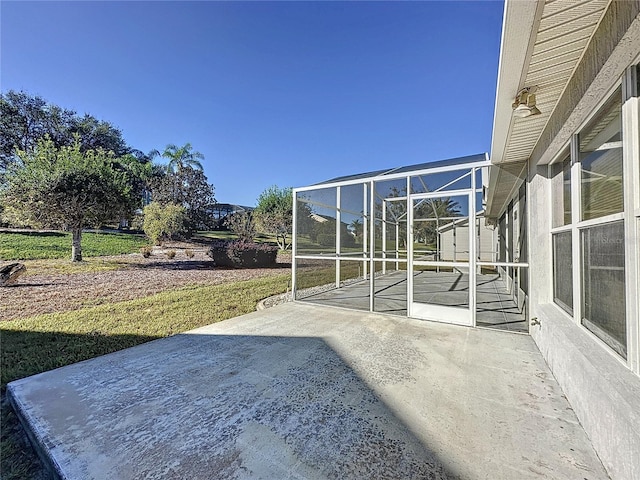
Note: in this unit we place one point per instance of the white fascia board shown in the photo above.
(519, 30)
(493, 180)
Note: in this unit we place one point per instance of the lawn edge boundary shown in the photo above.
(35, 438)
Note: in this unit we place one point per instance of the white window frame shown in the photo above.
(569, 227)
(630, 215)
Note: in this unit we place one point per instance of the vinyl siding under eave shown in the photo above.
(618, 30)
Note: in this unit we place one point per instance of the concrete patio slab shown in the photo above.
(303, 391)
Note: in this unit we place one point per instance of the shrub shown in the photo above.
(164, 221)
(189, 253)
(170, 254)
(137, 222)
(327, 239)
(241, 253)
(146, 251)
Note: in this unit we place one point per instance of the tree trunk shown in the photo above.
(282, 243)
(76, 246)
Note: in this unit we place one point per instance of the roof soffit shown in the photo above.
(558, 38)
(519, 22)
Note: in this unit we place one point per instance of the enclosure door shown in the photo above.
(441, 257)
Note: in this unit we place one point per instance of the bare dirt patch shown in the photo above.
(139, 277)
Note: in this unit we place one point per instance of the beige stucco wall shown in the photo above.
(604, 392)
(457, 248)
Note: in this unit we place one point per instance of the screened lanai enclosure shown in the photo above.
(413, 241)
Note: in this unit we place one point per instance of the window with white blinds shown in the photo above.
(601, 162)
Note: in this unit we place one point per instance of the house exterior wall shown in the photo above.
(454, 243)
(486, 238)
(602, 386)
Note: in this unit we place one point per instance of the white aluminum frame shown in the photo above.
(441, 313)
(434, 312)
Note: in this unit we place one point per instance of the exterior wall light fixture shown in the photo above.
(525, 103)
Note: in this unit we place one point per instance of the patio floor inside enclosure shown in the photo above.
(426, 219)
(495, 306)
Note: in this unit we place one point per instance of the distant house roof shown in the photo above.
(318, 218)
(221, 210)
(232, 207)
(461, 222)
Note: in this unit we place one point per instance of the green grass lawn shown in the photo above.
(215, 235)
(37, 344)
(41, 343)
(47, 245)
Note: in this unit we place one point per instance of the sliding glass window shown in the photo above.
(602, 244)
(603, 289)
(563, 271)
(588, 227)
(561, 186)
(601, 162)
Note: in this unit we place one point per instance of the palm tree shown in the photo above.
(181, 157)
(356, 228)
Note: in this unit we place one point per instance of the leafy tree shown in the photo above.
(242, 224)
(324, 233)
(436, 209)
(396, 212)
(138, 172)
(304, 221)
(96, 134)
(189, 188)
(25, 119)
(63, 187)
(181, 157)
(274, 213)
(164, 221)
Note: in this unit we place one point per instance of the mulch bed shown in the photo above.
(141, 277)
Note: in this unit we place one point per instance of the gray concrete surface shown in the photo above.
(495, 307)
(303, 391)
(606, 393)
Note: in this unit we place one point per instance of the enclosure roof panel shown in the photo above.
(380, 174)
(356, 176)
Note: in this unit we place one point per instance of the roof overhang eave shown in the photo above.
(520, 26)
(519, 30)
(504, 181)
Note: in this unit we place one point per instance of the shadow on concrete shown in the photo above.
(26, 353)
(196, 405)
(495, 307)
(307, 392)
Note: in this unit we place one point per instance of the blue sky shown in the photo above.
(286, 93)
